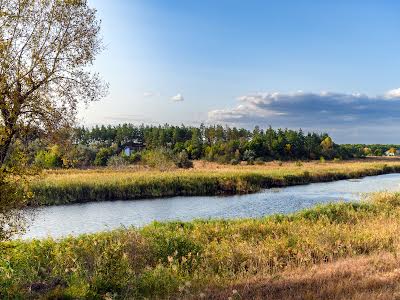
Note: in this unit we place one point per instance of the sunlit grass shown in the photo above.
(68, 186)
(179, 259)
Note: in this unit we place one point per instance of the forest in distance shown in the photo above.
(125, 144)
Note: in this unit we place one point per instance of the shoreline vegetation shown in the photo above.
(261, 258)
(58, 187)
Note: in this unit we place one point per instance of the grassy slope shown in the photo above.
(375, 276)
(60, 187)
(211, 258)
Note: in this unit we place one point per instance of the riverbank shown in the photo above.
(212, 259)
(206, 179)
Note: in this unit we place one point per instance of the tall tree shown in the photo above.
(46, 47)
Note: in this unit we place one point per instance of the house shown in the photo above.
(392, 152)
(133, 147)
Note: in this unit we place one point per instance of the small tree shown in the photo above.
(327, 146)
(45, 49)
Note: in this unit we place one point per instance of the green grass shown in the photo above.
(74, 186)
(184, 259)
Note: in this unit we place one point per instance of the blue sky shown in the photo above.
(316, 65)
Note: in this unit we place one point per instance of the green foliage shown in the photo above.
(216, 143)
(161, 159)
(49, 159)
(14, 195)
(135, 158)
(103, 156)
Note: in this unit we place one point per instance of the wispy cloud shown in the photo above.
(150, 94)
(125, 118)
(318, 111)
(177, 98)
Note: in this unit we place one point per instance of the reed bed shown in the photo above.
(195, 259)
(76, 186)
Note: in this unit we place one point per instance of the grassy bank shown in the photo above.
(209, 259)
(74, 186)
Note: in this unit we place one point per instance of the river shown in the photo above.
(74, 219)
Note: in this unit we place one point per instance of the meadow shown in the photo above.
(312, 253)
(75, 186)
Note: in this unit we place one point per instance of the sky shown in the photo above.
(325, 66)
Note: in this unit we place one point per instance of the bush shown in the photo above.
(234, 161)
(49, 159)
(135, 158)
(117, 161)
(159, 158)
(84, 156)
(249, 156)
(102, 156)
(182, 160)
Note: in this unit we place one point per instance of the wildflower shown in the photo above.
(170, 259)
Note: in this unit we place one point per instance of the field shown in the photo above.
(74, 186)
(342, 250)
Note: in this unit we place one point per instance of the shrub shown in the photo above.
(117, 161)
(49, 159)
(234, 161)
(161, 159)
(182, 160)
(135, 158)
(84, 156)
(102, 156)
(249, 156)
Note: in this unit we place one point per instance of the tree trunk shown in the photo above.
(5, 143)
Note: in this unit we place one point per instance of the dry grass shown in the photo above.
(368, 277)
(274, 168)
(66, 186)
(333, 251)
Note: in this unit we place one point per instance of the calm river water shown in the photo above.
(58, 221)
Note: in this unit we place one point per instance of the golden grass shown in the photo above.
(300, 255)
(66, 186)
(202, 168)
(375, 276)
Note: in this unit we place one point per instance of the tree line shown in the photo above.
(105, 145)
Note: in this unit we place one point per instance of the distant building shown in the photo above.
(392, 152)
(133, 147)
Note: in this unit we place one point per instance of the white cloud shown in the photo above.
(177, 98)
(393, 94)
